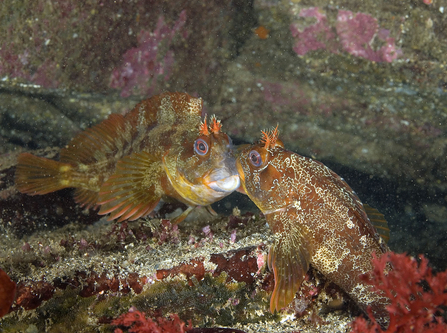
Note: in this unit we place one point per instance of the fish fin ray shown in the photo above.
(39, 175)
(183, 215)
(86, 198)
(98, 142)
(128, 195)
(289, 259)
(182, 104)
(378, 221)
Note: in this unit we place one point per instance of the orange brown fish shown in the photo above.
(125, 165)
(316, 219)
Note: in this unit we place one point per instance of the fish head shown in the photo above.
(257, 166)
(203, 170)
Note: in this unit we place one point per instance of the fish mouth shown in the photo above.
(228, 184)
(222, 180)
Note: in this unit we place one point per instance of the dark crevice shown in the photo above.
(243, 23)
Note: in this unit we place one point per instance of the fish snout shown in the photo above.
(223, 180)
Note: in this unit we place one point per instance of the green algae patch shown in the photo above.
(64, 309)
(211, 301)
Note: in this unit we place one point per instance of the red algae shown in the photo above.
(7, 293)
(194, 268)
(417, 295)
(137, 322)
(30, 295)
(241, 265)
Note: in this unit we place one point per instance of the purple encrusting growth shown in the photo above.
(67, 44)
(356, 33)
(315, 36)
(150, 61)
(16, 66)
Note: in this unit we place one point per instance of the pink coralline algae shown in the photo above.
(152, 60)
(315, 36)
(356, 33)
(16, 66)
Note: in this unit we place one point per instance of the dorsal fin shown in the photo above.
(114, 134)
(97, 142)
(378, 221)
(186, 104)
(144, 113)
(147, 112)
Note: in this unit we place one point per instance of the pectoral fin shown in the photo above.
(289, 259)
(134, 189)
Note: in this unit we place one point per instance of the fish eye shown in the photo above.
(255, 158)
(200, 147)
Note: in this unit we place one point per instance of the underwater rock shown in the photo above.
(90, 274)
(80, 46)
(338, 103)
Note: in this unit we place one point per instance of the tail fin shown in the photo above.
(38, 175)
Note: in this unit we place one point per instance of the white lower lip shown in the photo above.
(228, 184)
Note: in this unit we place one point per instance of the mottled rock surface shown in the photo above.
(360, 86)
(88, 275)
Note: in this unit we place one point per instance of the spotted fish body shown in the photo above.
(125, 165)
(316, 219)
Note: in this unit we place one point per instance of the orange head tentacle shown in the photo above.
(269, 138)
(216, 125)
(204, 128)
(213, 128)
